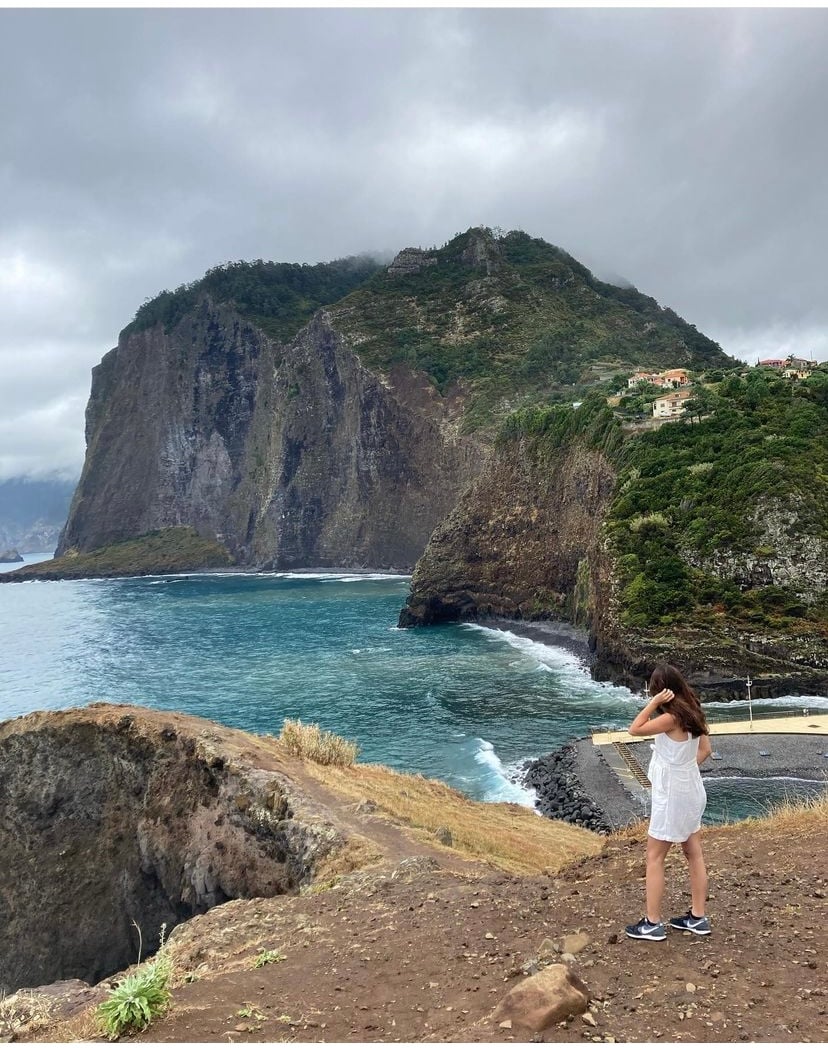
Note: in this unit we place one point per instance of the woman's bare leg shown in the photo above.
(698, 873)
(656, 854)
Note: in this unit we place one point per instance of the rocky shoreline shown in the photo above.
(560, 793)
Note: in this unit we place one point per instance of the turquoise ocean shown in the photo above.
(461, 703)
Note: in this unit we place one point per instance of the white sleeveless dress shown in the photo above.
(678, 795)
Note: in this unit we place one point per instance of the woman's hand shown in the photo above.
(644, 725)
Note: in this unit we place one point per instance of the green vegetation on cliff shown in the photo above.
(517, 321)
(705, 511)
(512, 319)
(691, 495)
(160, 552)
(279, 297)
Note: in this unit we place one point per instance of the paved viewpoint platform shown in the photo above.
(791, 746)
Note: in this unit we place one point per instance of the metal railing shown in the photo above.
(632, 763)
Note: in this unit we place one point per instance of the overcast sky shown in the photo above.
(684, 150)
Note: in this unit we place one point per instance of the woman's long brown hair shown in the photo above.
(685, 707)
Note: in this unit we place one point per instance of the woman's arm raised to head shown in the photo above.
(705, 749)
(646, 724)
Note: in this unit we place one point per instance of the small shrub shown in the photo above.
(314, 744)
(648, 520)
(137, 999)
(267, 957)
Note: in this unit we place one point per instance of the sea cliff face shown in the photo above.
(529, 540)
(290, 455)
(332, 415)
(518, 541)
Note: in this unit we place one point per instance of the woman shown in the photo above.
(682, 743)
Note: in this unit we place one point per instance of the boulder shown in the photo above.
(548, 997)
(10, 556)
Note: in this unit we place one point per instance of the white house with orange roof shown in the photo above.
(672, 379)
(672, 404)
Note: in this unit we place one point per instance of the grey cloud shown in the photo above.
(681, 149)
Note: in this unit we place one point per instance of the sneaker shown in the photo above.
(646, 930)
(689, 923)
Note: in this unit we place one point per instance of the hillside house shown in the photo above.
(672, 405)
(791, 367)
(801, 364)
(672, 379)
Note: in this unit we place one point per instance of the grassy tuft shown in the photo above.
(23, 1013)
(267, 957)
(310, 742)
(138, 999)
(795, 814)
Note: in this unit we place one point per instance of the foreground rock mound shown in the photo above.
(112, 818)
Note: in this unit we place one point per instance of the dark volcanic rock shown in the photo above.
(113, 815)
(289, 455)
(560, 793)
(516, 542)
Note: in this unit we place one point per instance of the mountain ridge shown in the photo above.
(228, 405)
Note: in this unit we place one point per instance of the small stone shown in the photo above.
(474, 905)
(488, 935)
(574, 943)
(690, 987)
(506, 1025)
(589, 1018)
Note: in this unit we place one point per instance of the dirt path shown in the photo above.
(413, 953)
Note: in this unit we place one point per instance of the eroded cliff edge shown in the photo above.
(514, 545)
(111, 815)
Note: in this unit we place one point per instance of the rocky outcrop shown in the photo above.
(290, 455)
(169, 551)
(116, 817)
(786, 555)
(410, 260)
(527, 541)
(518, 542)
(10, 556)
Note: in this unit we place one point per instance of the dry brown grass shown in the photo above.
(792, 815)
(82, 1027)
(311, 743)
(357, 853)
(22, 1014)
(508, 836)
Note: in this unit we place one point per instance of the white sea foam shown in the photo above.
(548, 655)
(315, 576)
(502, 788)
(801, 702)
(572, 670)
(724, 779)
(335, 576)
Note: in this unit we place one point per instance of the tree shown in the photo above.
(702, 401)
